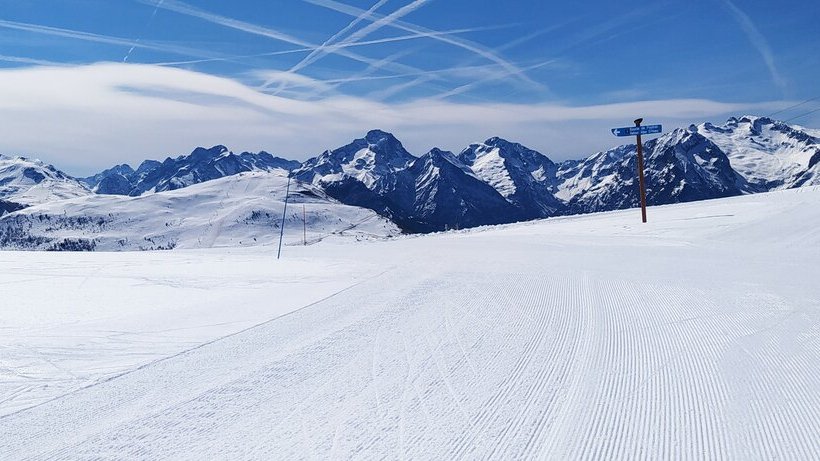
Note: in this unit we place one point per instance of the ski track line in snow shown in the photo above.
(467, 365)
(198, 346)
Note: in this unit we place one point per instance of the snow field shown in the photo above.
(695, 336)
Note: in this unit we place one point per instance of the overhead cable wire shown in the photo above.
(795, 106)
(803, 115)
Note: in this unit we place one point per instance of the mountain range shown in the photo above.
(493, 182)
(175, 173)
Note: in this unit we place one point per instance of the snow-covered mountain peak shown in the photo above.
(377, 138)
(682, 139)
(768, 153)
(442, 158)
(31, 182)
(523, 176)
(369, 160)
(385, 150)
(147, 165)
(203, 154)
(201, 165)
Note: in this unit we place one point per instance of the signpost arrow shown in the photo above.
(639, 130)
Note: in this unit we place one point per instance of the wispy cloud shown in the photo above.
(127, 112)
(758, 41)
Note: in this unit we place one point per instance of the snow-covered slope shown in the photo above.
(240, 210)
(31, 182)
(695, 336)
(183, 171)
(769, 154)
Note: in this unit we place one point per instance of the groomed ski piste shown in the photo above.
(695, 336)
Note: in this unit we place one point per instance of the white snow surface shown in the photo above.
(240, 210)
(362, 166)
(32, 182)
(695, 336)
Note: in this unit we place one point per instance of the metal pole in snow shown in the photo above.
(304, 225)
(284, 214)
(641, 181)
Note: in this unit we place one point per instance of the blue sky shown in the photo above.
(89, 83)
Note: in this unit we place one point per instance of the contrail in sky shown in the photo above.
(97, 38)
(150, 20)
(189, 10)
(399, 38)
(363, 32)
(758, 41)
(321, 48)
(461, 43)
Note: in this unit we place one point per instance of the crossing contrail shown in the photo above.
(399, 38)
(320, 50)
(361, 33)
(479, 50)
(323, 46)
(236, 24)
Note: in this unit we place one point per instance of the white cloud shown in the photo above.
(86, 118)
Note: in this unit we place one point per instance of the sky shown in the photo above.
(86, 84)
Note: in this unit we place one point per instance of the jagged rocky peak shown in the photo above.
(385, 147)
(123, 169)
(373, 161)
(525, 177)
(202, 164)
(439, 157)
(147, 165)
(442, 160)
(498, 153)
(201, 153)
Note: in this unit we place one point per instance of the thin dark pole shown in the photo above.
(641, 181)
(304, 225)
(284, 214)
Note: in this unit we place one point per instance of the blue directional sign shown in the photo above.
(636, 130)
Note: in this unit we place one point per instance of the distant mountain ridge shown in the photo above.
(491, 182)
(183, 171)
(25, 182)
